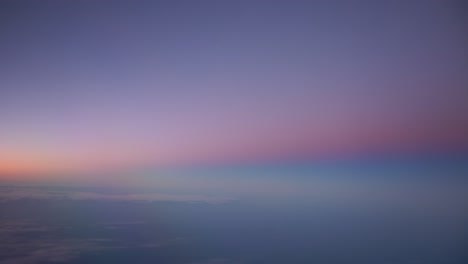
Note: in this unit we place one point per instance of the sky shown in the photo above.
(99, 86)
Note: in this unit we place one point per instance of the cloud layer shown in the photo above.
(15, 193)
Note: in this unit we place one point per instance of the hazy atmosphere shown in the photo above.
(233, 132)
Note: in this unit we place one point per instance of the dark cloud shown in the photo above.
(217, 261)
(29, 251)
(18, 248)
(21, 226)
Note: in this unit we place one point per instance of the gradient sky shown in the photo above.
(88, 85)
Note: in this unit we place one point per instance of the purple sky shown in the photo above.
(110, 84)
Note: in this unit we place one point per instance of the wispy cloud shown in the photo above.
(17, 193)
